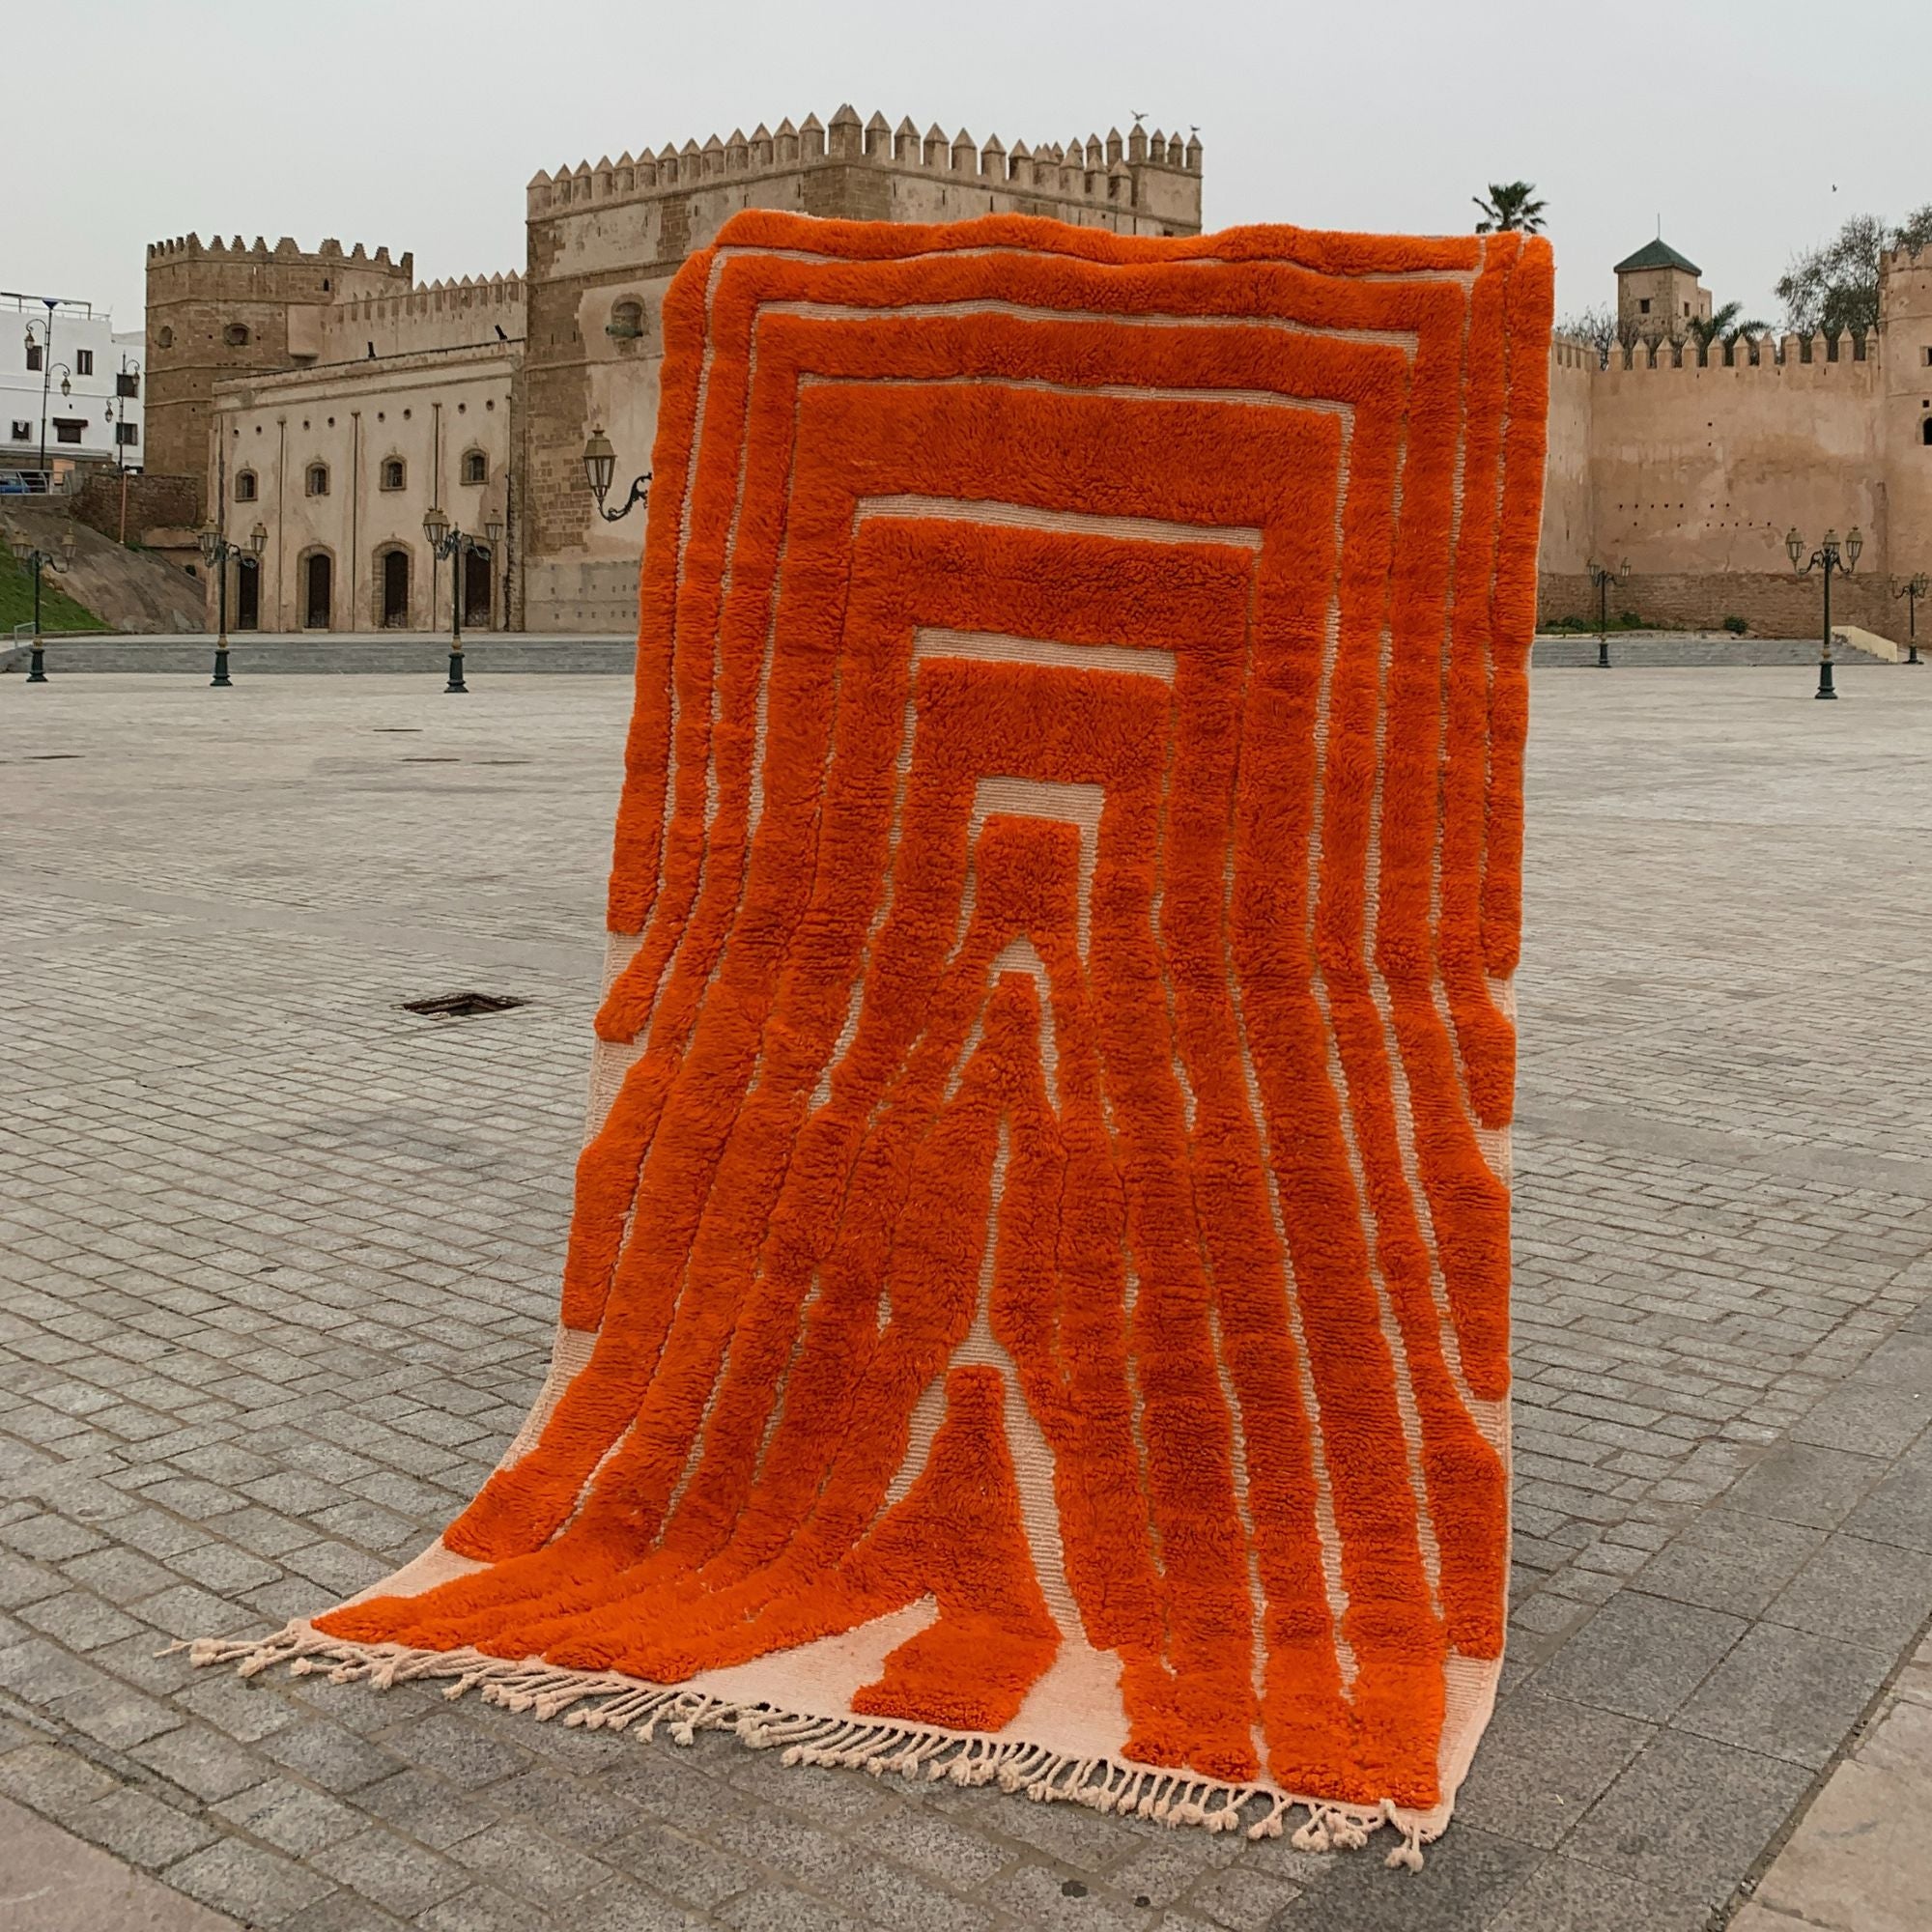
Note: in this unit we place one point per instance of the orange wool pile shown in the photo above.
(1037, 1292)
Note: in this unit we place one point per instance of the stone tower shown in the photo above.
(1905, 310)
(222, 309)
(604, 240)
(1659, 294)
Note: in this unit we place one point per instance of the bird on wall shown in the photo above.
(501, 336)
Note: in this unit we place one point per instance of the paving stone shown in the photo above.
(543, 1791)
(622, 1906)
(258, 1887)
(1463, 1883)
(51, 1881)
(771, 1908)
(1787, 1694)
(267, 1316)
(484, 1909)
(51, 1779)
(1544, 1762)
(523, 1860)
(1870, 1593)
(137, 1828)
(698, 1874)
(458, 1750)
(328, 1756)
(1564, 1895)
(938, 1846)
(79, 1619)
(400, 1877)
(200, 1761)
(1045, 1896)
(1641, 1656)
(1689, 1816)
(1727, 1560)
(1802, 1483)
(294, 1818)
(1899, 1509)
(1241, 1899)
(423, 1806)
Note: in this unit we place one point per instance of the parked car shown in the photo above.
(14, 484)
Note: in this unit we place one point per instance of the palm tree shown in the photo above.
(1723, 326)
(1509, 205)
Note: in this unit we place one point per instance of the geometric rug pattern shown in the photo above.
(1036, 1301)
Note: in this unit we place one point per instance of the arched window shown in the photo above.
(475, 467)
(627, 320)
(395, 472)
(236, 335)
(317, 479)
(244, 486)
(164, 338)
(1925, 429)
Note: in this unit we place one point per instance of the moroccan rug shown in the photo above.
(1035, 1307)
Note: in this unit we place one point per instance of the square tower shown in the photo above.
(1659, 294)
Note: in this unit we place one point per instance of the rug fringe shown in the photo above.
(604, 1700)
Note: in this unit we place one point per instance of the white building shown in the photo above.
(68, 361)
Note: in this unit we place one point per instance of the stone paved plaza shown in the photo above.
(278, 1263)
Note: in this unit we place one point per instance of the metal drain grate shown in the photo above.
(460, 1006)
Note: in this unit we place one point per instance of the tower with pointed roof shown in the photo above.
(1659, 293)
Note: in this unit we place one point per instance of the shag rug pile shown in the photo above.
(1036, 1309)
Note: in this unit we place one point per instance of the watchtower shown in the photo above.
(222, 309)
(1660, 293)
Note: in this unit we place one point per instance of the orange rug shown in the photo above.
(1036, 1308)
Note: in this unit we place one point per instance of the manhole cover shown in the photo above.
(459, 1005)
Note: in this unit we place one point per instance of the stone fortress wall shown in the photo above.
(604, 240)
(1692, 469)
(340, 360)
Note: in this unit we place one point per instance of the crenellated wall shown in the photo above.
(1692, 469)
(474, 312)
(605, 236)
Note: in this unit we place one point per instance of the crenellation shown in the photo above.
(575, 339)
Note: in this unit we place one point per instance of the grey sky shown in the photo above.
(417, 125)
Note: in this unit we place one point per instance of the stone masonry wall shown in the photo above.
(604, 237)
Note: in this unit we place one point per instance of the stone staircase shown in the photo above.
(1645, 650)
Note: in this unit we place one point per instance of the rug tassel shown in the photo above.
(604, 1700)
(1269, 1826)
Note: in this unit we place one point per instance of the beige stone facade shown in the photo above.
(276, 362)
(1692, 469)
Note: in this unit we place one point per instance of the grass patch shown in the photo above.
(1586, 627)
(58, 611)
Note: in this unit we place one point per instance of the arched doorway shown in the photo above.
(247, 594)
(475, 588)
(395, 589)
(317, 590)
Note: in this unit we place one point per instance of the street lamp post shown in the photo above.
(37, 559)
(1826, 558)
(47, 367)
(444, 539)
(216, 552)
(1912, 590)
(1603, 576)
(600, 464)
